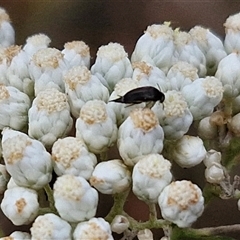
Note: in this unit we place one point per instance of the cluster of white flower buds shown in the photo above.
(58, 113)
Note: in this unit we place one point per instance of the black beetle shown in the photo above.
(141, 94)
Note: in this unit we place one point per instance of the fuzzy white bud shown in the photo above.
(20, 205)
(71, 156)
(140, 134)
(50, 226)
(96, 125)
(150, 175)
(94, 227)
(181, 202)
(74, 198)
(111, 177)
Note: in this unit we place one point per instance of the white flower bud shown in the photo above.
(112, 64)
(18, 74)
(232, 33)
(174, 115)
(180, 75)
(228, 72)
(148, 75)
(96, 125)
(77, 53)
(81, 86)
(35, 43)
(119, 224)
(75, 199)
(4, 178)
(212, 157)
(50, 226)
(46, 68)
(122, 110)
(188, 151)
(14, 107)
(49, 117)
(20, 205)
(207, 130)
(7, 33)
(140, 134)
(71, 156)
(181, 202)
(210, 45)
(187, 50)
(6, 56)
(17, 235)
(155, 46)
(111, 177)
(26, 159)
(145, 234)
(95, 227)
(234, 125)
(214, 173)
(202, 96)
(150, 175)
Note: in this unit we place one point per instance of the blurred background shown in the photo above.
(98, 22)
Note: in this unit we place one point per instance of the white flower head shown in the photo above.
(181, 202)
(75, 199)
(20, 205)
(35, 43)
(188, 151)
(155, 46)
(7, 33)
(94, 227)
(18, 74)
(96, 125)
(181, 74)
(119, 224)
(111, 177)
(4, 178)
(207, 130)
(228, 72)
(150, 175)
(14, 107)
(210, 45)
(214, 173)
(232, 33)
(149, 75)
(49, 117)
(145, 234)
(17, 235)
(212, 157)
(71, 156)
(46, 68)
(140, 134)
(26, 159)
(122, 110)
(77, 53)
(6, 56)
(203, 95)
(174, 115)
(112, 64)
(50, 226)
(81, 86)
(187, 50)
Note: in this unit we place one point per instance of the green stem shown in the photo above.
(152, 212)
(49, 193)
(117, 208)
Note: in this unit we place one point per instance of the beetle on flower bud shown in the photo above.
(142, 94)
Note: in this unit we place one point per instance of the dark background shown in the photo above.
(99, 22)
